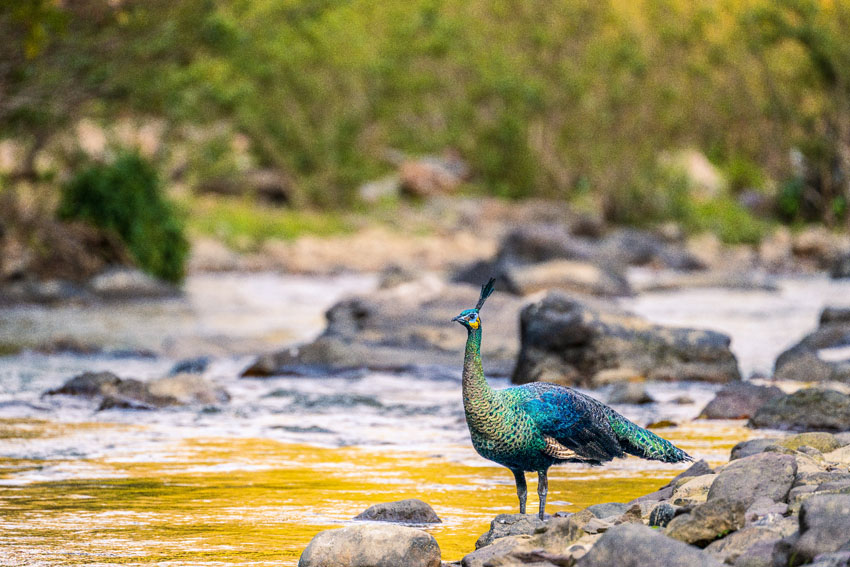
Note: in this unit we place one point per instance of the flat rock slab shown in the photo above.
(129, 393)
(576, 341)
(410, 511)
(371, 545)
(769, 475)
(407, 325)
(810, 409)
(636, 545)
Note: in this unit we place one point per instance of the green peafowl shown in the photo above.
(537, 425)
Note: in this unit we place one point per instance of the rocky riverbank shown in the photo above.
(529, 246)
(779, 501)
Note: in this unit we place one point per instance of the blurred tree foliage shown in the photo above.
(542, 98)
(126, 197)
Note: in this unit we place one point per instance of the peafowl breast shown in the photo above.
(537, 425)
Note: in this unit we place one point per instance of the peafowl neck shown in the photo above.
(477, 393)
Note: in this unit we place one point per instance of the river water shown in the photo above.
(251, 482)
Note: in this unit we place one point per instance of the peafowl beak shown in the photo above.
(457, 319)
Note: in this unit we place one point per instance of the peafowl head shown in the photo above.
(469, 317)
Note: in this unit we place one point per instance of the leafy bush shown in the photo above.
(731, 222)
(126, 197)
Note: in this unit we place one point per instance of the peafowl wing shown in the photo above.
(594, 431)
(572, 420)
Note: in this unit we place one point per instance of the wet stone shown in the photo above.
(661, 514)
(373, 545)
(505, 525)
(636, 545)
(766, 474)
(732, 546)
(576, 339)
(751, 447)
(410, 511)
(708, 521)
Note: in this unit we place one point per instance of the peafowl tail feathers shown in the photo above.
(637, 441)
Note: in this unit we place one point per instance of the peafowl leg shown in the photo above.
(521, 489)
(542, 490)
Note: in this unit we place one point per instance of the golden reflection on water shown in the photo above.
(237, 501)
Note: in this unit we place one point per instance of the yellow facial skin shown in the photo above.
(474, 323)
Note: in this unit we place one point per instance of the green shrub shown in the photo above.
(127, 198)
(730, 221)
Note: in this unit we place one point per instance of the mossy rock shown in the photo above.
(823, 442)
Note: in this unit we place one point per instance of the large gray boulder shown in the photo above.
(371, 545)
(769, 475)
(410, 511)
(811, 409)
(569, 340)
(818, 356)
(406, 325)
(636, 545)
(739, 400)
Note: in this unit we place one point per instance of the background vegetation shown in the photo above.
(556, 99)
(126, 198)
